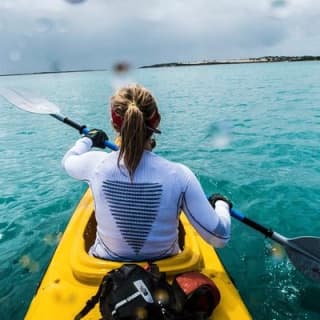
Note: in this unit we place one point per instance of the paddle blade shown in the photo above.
(304, 253)
(28, 102)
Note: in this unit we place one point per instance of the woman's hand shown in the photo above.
(98, 137)
(216, 197)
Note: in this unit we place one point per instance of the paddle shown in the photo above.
(30, 103)
(304, 252)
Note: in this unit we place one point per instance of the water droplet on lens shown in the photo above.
(219, 135)
(14, 55)
(44, 25)
(61, 26)
(141, 314)
(28, 264)
(121, 75)
(75, 1)
(52, 239)
(49, 239)
(24, 261)
(277, 252)
(278, 3)
(279, 8)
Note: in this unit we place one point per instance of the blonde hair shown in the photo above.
(134, 105)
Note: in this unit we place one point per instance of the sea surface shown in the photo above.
(249, 131)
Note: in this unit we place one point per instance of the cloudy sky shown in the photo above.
(53, 35)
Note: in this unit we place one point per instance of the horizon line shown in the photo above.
(264, 59)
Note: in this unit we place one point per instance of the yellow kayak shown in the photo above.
(73, 276)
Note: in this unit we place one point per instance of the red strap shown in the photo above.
(116, 120)
(192, 280)
(153, 122)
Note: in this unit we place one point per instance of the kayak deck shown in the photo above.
(73, 276)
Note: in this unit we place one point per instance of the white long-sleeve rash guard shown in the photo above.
(139, 220)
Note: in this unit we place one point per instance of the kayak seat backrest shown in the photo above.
(91, 228)
(182, 235)
(90, 232)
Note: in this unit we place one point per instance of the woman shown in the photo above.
(138, 195)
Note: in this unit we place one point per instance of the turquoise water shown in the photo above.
(248, 131)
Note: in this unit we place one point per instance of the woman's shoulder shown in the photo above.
(170, 164)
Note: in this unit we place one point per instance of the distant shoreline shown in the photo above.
(266, 59)
(49, 72)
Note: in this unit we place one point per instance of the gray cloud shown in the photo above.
(39, 35)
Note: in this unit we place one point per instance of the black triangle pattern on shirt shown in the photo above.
(134, 206)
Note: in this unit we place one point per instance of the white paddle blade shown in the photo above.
(308, 260)
(29, 102)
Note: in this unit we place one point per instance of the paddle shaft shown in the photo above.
(269, 233)
(81, 128)
(69, 122)
(240, 216)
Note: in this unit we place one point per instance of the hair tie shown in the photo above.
(132, 105)
(117, 120)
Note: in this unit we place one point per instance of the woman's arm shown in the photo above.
(78, 162)
(212, 224)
